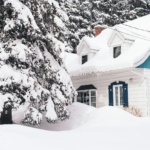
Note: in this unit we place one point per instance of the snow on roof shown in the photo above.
(137, 30)
(97, 42)
(69, 59)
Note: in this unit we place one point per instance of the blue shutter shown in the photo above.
(125, 95)
(110, 95)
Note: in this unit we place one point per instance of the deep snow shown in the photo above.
(106, 128)
(80, 114)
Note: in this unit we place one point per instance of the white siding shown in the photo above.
(147, 80)
(136, 88)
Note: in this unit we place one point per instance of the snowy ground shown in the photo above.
(107, 128)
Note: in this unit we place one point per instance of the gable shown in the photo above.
(115, 39)
(83, 49)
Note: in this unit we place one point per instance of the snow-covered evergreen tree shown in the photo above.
(33, 34)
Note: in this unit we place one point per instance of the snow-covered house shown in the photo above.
(113, 68)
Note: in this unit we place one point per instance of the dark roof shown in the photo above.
(86, 87)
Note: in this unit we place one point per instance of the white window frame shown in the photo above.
(114, 94)
(89, 95)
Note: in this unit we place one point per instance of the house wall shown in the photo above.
(147, 80)
(137, 95)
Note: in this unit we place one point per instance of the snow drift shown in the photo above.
(100, 129)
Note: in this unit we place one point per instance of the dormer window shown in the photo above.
(116, 51)
(84, 59)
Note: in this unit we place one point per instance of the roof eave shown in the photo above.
(101, 73)
(142, 60)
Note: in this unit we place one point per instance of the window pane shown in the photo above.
(79, 94)
(86, 97)
(79, 97)
(93, 93)
(116, 95)
(117, 51)
(84, 59)
(93, 104)
(121, 95)
(83, 97)
(93, 99)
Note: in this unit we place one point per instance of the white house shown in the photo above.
(113, 68)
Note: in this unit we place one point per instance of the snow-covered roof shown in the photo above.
(96, 43)
(137, 30)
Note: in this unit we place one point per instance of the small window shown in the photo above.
(116, 51)
(84, 59)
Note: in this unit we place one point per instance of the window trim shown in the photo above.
(114, 50)
(125, 93)
(114, 94)
(89, 95)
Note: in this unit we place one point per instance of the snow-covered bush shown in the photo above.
(32, 35)
(134, 111)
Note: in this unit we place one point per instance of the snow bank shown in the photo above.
(84, 117)
(79, 115)
(109, 116)
(97, 129)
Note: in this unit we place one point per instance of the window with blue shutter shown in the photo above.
(125, 95)
(110, 96)
(118, 94)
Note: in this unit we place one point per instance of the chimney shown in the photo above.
(99, 28)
